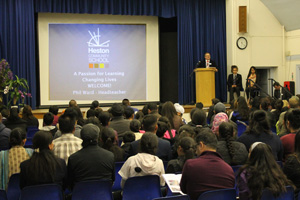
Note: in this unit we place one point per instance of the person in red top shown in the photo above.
(207, 172)
(292, 118)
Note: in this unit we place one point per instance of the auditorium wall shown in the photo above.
(268, 42)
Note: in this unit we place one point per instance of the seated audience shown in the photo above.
(79, 117)
(261, 172)
(264, 105)
(108, 142)
(91, 162)
(241, 112)
(5, 114)
(199, 105)
(168, 110)
(47, 122)
(139, 116)
(198, 118)
(4, 135)
(233, 152)
(67, 143)
(127, 139)
(291, 167)
(95, 104)
(145, 162)
(54, 111)
(90, 113)
(167, 134)
(208, 171)
(277, 109)
(180, 111)
(10, 159)
(293, 126)
(211, 110)
(104, 118)
(254, 104)
(28, 117)
(127, 103)
(218, 108)
(43, 167)
(152, 109)
(14, 121)
(72, 113)
(164, 146)
(259, 131)
(218, 119)
(129, 113)
(118, 122)
(135, 127)
(186, 150)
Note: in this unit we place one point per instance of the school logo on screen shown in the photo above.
(98, 51)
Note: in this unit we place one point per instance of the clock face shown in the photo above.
(242, 43)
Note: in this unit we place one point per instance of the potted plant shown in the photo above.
(18, 89)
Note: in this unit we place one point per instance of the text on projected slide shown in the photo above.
(97, 61)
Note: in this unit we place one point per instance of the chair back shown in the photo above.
(241, 127)
(31, 130)
(93, 190)
(288, 195)
(222, 194)
(3, 195)
(118, 178)
(142, 188)
(45, 192)
(13, 187)
(178, 197)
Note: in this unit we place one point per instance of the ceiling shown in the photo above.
(286, 11)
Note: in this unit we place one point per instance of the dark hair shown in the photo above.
(262, 172)
(27, 113)
(125, 102)
(145, 110)
(242, 108)
(252, 67)
(66, 123)
(79, 116)
(255, 102)
(276, 84)
(162, 127)
(168, 110)
(215, 101)
(5, 113)
(104, 118)
(264, 104)
(139, 115)
(90, 113)
(149, 143)
(188, 146)
(167, 122)
(72, 103)
(128, 137)
(199, 117)
(16, 137)
(192, 112)
(188, 129)
(48, 118)
(297, 143)
(149, 123)
(258, 123)
(108, 137)
(117, 110)
(14, 114)
(226, 132)
(43, 163)
(293, 116)
(95, 121)
(128, 112)
(71, 112)
(135, 125)
(278, 105)
(199, 105)
(152, 106)
(95, 104)
(207, 137)
(234, 67)
(53, 110)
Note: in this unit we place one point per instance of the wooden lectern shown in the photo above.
(205, 85)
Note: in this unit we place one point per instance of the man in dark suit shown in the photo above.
(234, 82)
(164, 146)
(207, 62)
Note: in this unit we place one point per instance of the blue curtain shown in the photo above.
(201, 28)
(17, 40)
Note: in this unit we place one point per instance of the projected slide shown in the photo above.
(97, 61)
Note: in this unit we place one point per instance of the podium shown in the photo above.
(205, 85)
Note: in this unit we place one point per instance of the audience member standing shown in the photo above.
(43, 167)
(67, 144)
(233, 152)
(28, 117)
(91, 162)
(145, 162)
(261, 172)
(259, 131)
(10, 159)
(207, 172)
(4, 135)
